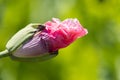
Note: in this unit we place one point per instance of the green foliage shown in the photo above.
(93, 57)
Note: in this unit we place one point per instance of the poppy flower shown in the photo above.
(46, 42)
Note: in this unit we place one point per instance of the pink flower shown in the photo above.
(45, 43)
(60, 34)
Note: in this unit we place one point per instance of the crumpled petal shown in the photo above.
(63, 33)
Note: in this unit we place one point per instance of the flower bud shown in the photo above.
(43, 42)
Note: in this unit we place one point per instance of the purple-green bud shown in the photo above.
(28, 45)
(34, 49)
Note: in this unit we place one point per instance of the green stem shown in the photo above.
(4, 53)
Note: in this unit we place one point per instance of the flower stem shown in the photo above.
(4, 53)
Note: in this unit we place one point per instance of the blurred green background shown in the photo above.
(93, 57)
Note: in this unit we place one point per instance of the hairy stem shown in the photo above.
(4, 53)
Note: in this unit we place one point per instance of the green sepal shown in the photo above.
(19, 38)
(43, 57)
